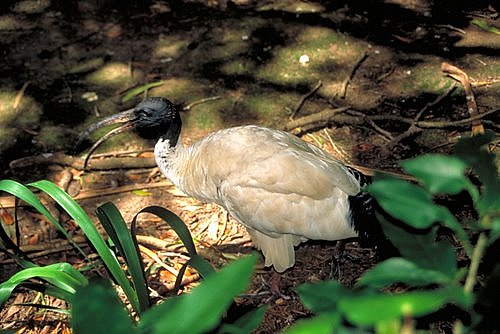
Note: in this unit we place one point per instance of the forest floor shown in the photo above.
(371, 71)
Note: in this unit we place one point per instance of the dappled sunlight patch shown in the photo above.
(298, 7)
(15, 114)
(327, 52)
(206, 117)
(168, 47)
(270, 107)
(181, 90)
(240, 66)
(31, 6)
(11, 22)
(113, 75)
(417, 80)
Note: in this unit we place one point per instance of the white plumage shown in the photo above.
(282, 189)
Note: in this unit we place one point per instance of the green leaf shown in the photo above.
(202, 309)
(141, 192)
(61, 275)
(400, 270)
(22, 192)
(439, 173)
(363, 310)
(97, 309)
(322, 324)
(90, 231)
(485, 26)
(138, 90)
(495, 230)
(422, 249)
(322, 296)
(115, 226)
(200, 264)
(406, 202)
(245, 324)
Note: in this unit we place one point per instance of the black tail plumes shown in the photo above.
(364, 208)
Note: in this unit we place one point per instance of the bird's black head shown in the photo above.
(152, 118)
(157, 117)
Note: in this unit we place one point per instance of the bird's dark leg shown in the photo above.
(275, 286)
(338, 259)
(275, 283)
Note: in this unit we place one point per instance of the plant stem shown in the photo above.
(477, 255)
(470, 281)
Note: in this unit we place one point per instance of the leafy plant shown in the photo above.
(97, 308)
(427, 266)
(61, 279)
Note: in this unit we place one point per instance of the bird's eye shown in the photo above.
(144, 113)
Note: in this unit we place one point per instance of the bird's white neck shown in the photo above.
(167, 157)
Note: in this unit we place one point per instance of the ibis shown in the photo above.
(282, 189)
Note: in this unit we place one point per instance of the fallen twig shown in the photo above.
(323, 116)
(343, 90)
(195, 103)
(185, 281)
(459, 75)
(304, 98)
(413, 128)
(345, 115)
(60, 158)
(156, 259)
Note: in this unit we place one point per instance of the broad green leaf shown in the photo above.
(422, 248)
(489, 202)
(322, 296)
(363, 310)
(138, 90)
(388, 327)
(406, 202)
(115, 226)
(245, 324)
(97, 309)
(322, 324)
(400, 270)
(61, 275)
(495, 230)
(473, 151)
(439, 173)
(200, 310)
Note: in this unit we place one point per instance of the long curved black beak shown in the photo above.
(127, 117)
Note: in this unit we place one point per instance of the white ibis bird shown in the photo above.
(281, 188)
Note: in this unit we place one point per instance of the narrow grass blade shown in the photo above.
(61, 275)
(200, 264)
(175, 222)
(138, 90)
(89, 229)
(23, 193)
(116, 228)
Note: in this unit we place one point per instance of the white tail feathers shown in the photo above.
(279, 251)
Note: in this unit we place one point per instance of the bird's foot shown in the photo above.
(275, 286)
